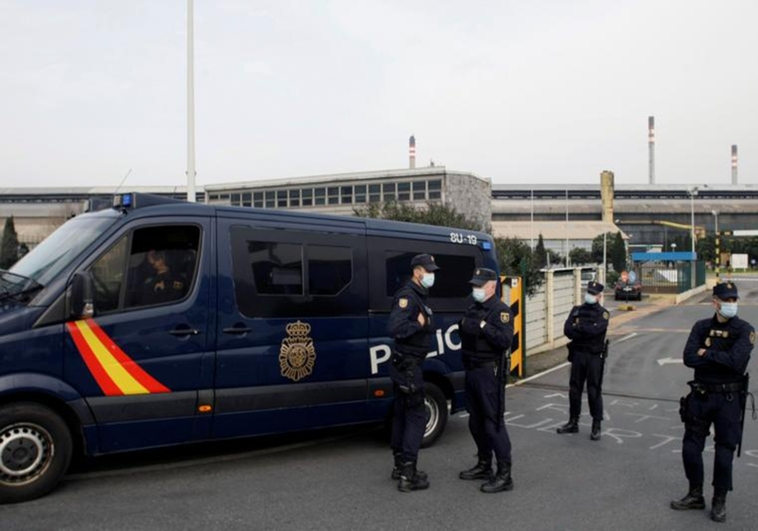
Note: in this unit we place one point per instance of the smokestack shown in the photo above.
(412, 152)
(734, 163)
(606, 195)
(651, 146)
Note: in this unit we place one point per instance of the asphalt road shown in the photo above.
(340, 480)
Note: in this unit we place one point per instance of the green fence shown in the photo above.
(671, 277)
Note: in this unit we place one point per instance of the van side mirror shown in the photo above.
(82, 305)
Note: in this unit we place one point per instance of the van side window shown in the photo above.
(330, 269)
(451, 281)
(147, 267)
(277, 267)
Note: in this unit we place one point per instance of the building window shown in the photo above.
(320, 194)
(374, 193)
(403, 191)
(214, 196)
(247, 199)
(281, 199)
(307, 197)
(360, 193)
(419, 190)
(333, 195)
(258, 199)
(389, 192)
(294, 198)
(270, 199)
(435, 189)
(236, 199)
(347, 195)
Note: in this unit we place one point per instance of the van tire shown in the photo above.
(435, 406)
(35, 451)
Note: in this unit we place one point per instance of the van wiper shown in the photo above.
(15, 285)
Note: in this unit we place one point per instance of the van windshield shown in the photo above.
(50, 257)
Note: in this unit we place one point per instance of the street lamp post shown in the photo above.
(717, 244)
(693, 192)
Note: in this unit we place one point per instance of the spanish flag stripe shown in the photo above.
(136, 372)
(124, 380)
(107, 385)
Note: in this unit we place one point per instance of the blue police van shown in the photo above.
(158, 322)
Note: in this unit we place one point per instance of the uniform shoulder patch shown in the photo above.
(402, 302)
(178, 285)
(752, 337)
(606, 315)
(505, 317)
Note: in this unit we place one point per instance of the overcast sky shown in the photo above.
(547, 91)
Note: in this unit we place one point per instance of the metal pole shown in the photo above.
(190, 103)
(693, 262)
(531, 225)
(718, 246)
(605, 262)
(567, 227)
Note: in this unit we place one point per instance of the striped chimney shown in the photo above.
(651, 146)
(412, 152)
(734, 163)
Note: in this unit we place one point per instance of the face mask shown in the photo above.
(590, 299)
(428, 280)
(728, 309)
(478, 294)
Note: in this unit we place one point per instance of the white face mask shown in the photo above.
(728, 309)
(478, 294)
(590, 299)
(427, 280)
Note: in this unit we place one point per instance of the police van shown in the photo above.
(159, 322)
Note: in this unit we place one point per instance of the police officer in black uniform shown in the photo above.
(486, 333)
(586, 327)
(719, 350)
(410, 324)
(162, 285)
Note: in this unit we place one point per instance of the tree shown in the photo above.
(597, 247)
(540, 255)
(511, 253)
(618, 253)
(9, 245)
(580, 256)
(554, 258)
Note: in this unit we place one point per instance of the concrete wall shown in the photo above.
(470, 195)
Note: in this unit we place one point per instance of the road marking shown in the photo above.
(630, 336)
(543, 373)
(664, 361)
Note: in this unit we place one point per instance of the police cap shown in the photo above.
(725, 290)
(483, 275)
(595, 288)
(426, 261)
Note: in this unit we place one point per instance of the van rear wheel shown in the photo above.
(435, 406)
(35, 451)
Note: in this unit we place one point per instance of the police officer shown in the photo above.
(486, 333)
(162, 285)
(719, 350)
(410, 324)
(586, 327)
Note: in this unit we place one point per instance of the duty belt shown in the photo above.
(723, 388)
(479, 364)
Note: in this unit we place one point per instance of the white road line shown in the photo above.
(543, 373)
(630, 336)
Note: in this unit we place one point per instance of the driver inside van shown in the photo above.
(162, 285)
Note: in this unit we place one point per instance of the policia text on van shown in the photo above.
(159, 322)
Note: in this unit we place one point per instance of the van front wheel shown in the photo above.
(35, 451)
(435, 406)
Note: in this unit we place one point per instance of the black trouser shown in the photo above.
(724, 411)
(586, 367)
(409, 414)
(482, 397)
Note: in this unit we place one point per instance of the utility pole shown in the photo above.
(191, 196)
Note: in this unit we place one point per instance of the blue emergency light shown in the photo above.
(126, 200)
(486, 245)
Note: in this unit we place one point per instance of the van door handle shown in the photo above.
(184, 331)
(237, 330)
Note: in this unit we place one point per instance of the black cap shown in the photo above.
(725, 290)
(483, 275)
(424, 260)
(595, 288)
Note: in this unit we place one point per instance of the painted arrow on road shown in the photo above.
(664, 361)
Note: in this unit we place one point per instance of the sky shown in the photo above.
(544, 92)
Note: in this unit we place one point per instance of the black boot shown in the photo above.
(718, 506)
(572, 426)
(410, 479)
(398, 468)
(482, 470)
(501, 481)
(595, 435)
(693, 500)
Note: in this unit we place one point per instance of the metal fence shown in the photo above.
(672, 277)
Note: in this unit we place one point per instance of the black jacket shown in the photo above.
(486, 343)
(727, 349)
(410, 337)
(586, 327)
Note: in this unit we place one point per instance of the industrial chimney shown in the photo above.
(734, 163)
(651, 146)
(606, 195)
(412, 152)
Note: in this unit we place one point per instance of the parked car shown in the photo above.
(587, 276)
(628, 290)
